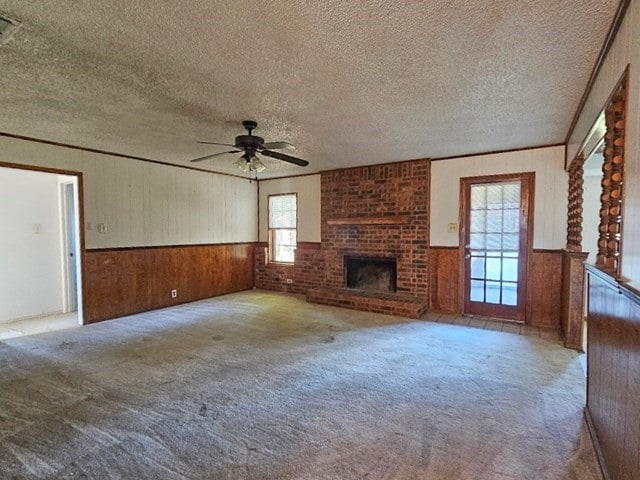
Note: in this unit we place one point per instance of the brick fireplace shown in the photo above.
(379, 212)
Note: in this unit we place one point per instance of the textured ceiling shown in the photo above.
(349, 83)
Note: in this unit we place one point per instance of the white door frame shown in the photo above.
(70, 247)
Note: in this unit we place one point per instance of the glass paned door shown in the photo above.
(495, 248)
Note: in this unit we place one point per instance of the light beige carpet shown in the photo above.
(259, 385)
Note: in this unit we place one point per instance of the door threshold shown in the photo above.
(494, 319)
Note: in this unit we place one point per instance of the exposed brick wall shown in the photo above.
(306, 273)
(397, 191)
(393, 190)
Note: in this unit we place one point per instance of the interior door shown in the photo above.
(496, 242)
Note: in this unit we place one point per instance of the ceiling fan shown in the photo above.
(250, 145)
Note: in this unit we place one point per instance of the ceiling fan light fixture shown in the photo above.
(257, 165)
(242, 163)
(253, 164)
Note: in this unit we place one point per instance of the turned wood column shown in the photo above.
(573, 258)
(574, 204)
(610, 229)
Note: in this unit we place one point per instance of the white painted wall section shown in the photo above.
(550, 198)
(308, 190)
(131, 203)
(30, 262)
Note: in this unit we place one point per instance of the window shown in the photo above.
(282, 227)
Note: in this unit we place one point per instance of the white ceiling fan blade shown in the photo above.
(214, 143)
(207, 157)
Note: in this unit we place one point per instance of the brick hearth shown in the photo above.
(378, 302)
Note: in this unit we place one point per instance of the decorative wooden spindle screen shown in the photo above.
(610, 230)
(574, 214)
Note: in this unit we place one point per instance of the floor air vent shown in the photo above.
(7, 29)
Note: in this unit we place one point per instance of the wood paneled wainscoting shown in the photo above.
(573, 275)
(613, 379)
(544, 288)
(544, 284)
(445, 280)
(122, 281)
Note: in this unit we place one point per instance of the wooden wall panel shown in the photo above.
(124, 281)
(544, 288)
(613, 382)
(544, 280)
(573, 275)
(444, 279)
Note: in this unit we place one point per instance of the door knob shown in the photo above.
(467, 256)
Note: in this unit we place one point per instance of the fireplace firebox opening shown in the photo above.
(370, 273)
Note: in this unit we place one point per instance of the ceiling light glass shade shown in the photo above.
(242, 164)
(257, 165)
(252, 165)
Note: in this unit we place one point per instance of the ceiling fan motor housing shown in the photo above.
(249, 142)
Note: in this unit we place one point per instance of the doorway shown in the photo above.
(495, 235)
(40, 250)
(69, 250)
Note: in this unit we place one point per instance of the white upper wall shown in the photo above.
(308, 190)
(624, 51)
(550, 200)
(148, 204)
(30, 260)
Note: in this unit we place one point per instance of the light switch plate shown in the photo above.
(452, 228)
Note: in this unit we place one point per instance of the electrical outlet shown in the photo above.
(452, 228)
(174, 293)
(288, 280)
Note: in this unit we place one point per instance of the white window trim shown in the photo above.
(271, 231)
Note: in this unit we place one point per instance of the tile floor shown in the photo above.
(498, 325)
(34, 325)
